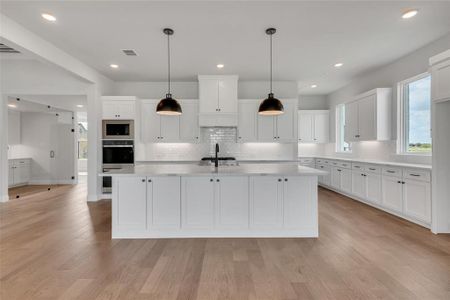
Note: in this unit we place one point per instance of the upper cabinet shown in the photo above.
(313, 126)
(157, 128)
(368, 116)
(440, 77)
(247, 121)
(281, 128)
(119, 107)
(218, 100)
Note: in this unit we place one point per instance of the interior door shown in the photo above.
(227, 100)
(321, 128)
(285, 123)
(247, 121)
(392, 196)
(366, 118)
(62, 153)
(351, 122)
(232, 202)
(150, 122)
(305, 127)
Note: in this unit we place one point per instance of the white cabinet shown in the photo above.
(368, 116)
(313, 126)
(14, 133)
(197, 202)
(417, 200)
(359, 186)
(346, 181)
(150, 122)
(282, 128)
(169, 128)
(373, 182)
(19, 172)
(131, 193)
(247, 121)
(119, 107)
(324, 179)
(218, 100)
(231, 202)
(164, 201)
(189, 129)
(335, 177)
(392, 193)
(266, 194)
(440, 77)
(299, 213)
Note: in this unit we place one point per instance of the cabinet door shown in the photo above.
(346, 181)
(131, 210)
(170, 128)
(367, 118)
(163, 194)
(321, 128)
(247, 121)
(232, 202)
(21, 174)
(266, 128)
(10, 175)
(336, 177)
(417, 200)
(227, 102)
(373, 188)
(440, 89)
(392, 194)
(197, 202)
(189, 128)
(359, 185)
(299, 202)
(150, 123)
(351, 122)
(266, 201)
(110, 110)
(126, 110)
(209, 95)
(305, 127)
(286, 124)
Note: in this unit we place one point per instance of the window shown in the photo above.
(414, 115)
(341, 145)
(82, 140)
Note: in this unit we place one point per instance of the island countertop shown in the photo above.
(197, 170)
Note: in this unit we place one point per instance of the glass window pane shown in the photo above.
(419, 115)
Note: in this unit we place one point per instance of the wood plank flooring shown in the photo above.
(54, 245)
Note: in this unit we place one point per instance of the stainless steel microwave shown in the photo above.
(118, 129)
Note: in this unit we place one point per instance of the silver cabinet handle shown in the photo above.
(389, 171)
(415, 175)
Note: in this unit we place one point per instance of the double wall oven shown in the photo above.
(118, 148)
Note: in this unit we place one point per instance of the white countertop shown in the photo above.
(281, 169)
(373, 161)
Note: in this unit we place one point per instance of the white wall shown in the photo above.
(387, 76)
(312, 102)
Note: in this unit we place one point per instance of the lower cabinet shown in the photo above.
(131, 193)
(392, 193)
(197, 201)
(359, 186)
(163, 197)
(232, 202)
(266, 194)
(417, 200)
(373, 188)
(19, 172)
(325, 179)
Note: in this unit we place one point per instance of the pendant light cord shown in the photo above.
(168, 63)
(271, 63)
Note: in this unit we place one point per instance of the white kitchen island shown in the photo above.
(187, 200)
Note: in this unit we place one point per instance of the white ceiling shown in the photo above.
(312, 36)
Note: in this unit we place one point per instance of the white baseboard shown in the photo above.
(4, 198)
(93, 198)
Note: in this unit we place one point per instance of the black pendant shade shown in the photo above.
(168, 106)
(271, 106)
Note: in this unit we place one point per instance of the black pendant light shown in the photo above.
(168, 106)
(271, 106)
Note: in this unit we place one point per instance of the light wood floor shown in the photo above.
(56, 246)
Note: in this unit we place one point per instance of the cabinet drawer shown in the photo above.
(373, 169)
(358, 166)
(306, 160)
(415, 174)
(319, 161)
(321, 167)
(327, 162)
(334, 163)
(392, 171)
(345, 164)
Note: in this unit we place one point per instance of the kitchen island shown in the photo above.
(188, 200)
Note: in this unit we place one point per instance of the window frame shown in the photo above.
(403, 118)
(340, 130)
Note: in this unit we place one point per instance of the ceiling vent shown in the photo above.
(6, 49)
(129, 52)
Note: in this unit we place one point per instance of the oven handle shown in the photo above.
(118, 146)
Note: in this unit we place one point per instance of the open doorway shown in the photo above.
(41, 147)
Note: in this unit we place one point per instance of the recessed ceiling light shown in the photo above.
(79, 105)
(338, 65)
(410, 13)
(12, 105)
(49, 17)
(220, 66)
(114, 66)
(313, 86)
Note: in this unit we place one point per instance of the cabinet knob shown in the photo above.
(218, 180)
(285, 179)
(211, 180)
(279, 179)
(143, 180)
(149, 180)
(399, 182)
